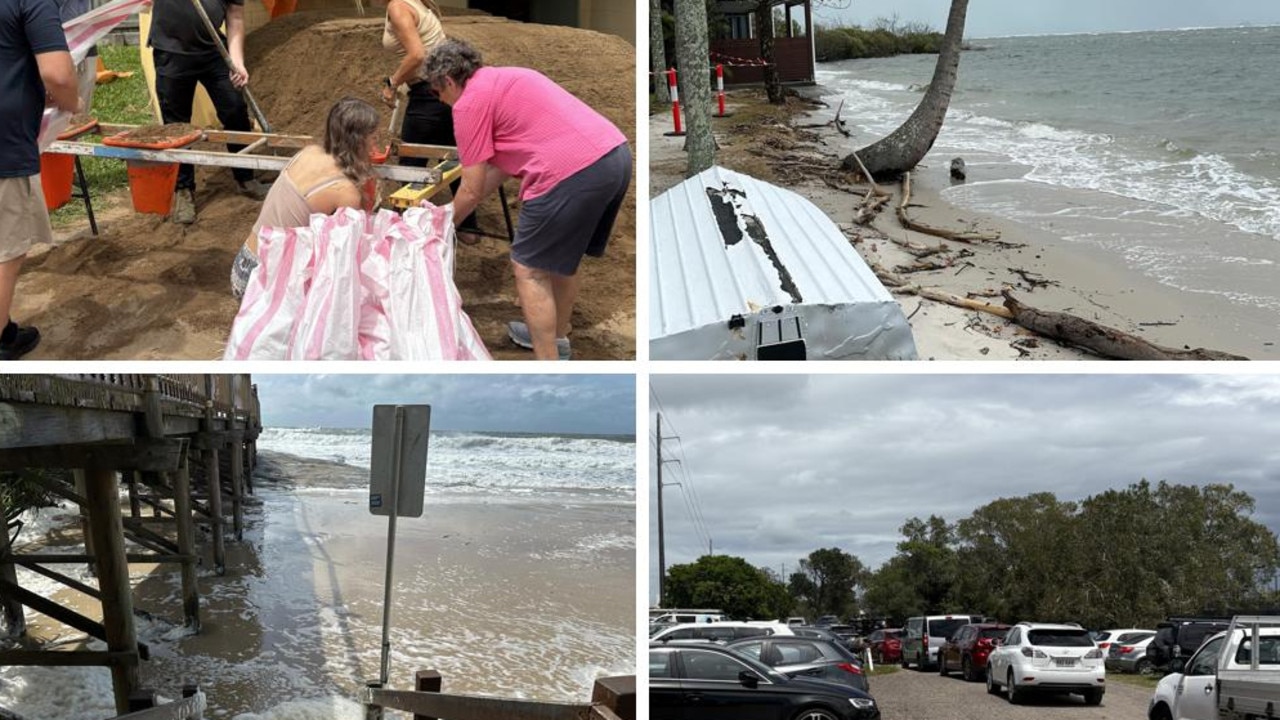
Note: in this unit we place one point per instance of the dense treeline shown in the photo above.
(886, 39)
(1122, 558)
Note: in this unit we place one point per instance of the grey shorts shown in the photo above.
(241, 267)
(23, 216)
(575, 218)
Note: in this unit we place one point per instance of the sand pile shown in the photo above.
(149, 289)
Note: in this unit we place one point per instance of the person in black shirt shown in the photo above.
(185, 55)
(35, 71)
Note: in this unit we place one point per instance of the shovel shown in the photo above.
(226, 56)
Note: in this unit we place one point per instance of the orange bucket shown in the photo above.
(57, 171)
(152, 184)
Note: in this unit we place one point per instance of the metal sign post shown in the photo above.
(397, 482)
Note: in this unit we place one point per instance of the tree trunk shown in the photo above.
(764, 27)
(693, 61)
(658, 52)
(905, 147)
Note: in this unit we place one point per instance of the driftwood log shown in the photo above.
(1105, 341)
(911, 224)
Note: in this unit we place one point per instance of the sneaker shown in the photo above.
(254, 188)
(24, 340)
(184, 206)
(519, 334)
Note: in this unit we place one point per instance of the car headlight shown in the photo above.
(863, 703)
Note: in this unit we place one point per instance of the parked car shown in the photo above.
(849, 635)
(1178, 637)
(797, 620)
(1040, 657)
(711, 682)
(826, 621)
(923, 635)
(1220, 681)
(966, 651)
(1131, 656)
(885, 645)
(1104, 638)
(805, 657)
(716, 632)
(817, 633)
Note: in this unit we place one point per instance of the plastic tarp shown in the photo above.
(356, 286)
(82, 33)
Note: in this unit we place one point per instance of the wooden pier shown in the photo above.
(182, 449)
(612, 698)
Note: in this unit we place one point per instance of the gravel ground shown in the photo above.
(913, 695)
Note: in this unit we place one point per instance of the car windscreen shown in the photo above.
(993, 632)
(1133, 637)
(1060, 638)
(945, 628)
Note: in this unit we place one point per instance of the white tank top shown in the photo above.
(430, 32)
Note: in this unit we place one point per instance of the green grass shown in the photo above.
(123, 100)
(1143, 681)
(885, 669)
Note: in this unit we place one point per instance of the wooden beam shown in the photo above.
(475, 707)
(187, 546)
(59, 577)
(191, 708)
(237, 485)
(105, 525)
(64, 615)
(154, 455)
(11, 606)
(30, 425)
(61, 659)
(62, 558)
(617, 694)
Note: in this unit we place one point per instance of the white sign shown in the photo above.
(398, 466)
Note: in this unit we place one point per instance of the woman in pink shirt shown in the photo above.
(574, 167)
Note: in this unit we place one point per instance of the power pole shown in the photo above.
(662, 546)
(662, 541)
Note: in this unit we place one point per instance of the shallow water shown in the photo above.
(527, 599)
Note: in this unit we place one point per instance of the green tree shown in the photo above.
(830, 579)
(728, 583)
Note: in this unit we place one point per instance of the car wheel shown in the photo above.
(1144, 667)
(966, 669)
(816, 714)
(1160, 712)
(1012, 691)
(1093, 697)
(991, 683)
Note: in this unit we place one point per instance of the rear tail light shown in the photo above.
(984, 642)
(850, 667)
(1126, 649)
(1094, 654)
(1033, 653)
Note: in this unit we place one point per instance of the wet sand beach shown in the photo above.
(1079, 279)
(528, 598)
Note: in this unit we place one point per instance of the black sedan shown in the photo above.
(708, 682)
(805, 657)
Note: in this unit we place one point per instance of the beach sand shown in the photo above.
(1082, 281)
(528, 599)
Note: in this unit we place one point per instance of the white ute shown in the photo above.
(1235, 675)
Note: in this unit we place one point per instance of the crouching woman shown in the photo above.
(319, 179)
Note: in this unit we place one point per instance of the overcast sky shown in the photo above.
(603, 404)
(992, 18)
(782, 465)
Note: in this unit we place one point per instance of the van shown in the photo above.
(682, 617)
(924, 634)
(721, 632)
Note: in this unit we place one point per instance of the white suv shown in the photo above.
(1039, 657)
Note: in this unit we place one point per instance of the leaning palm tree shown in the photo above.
(905, 147)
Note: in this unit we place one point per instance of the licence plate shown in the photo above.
(1064, 662)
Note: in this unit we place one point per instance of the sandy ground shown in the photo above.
(769, 143)
(482, 586)
(148, 289)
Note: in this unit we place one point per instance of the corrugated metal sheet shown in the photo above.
(725, 246)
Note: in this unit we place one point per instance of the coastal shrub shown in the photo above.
(884, 40)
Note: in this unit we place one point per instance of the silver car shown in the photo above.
(1130, 655)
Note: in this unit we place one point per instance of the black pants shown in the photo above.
(176, 78)
(429, 121)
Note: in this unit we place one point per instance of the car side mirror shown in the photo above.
(748, 679)
(1177, 665)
